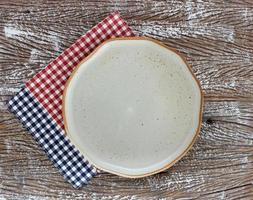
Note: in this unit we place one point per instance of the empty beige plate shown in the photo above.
(133, 107)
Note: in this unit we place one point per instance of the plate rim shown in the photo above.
(168, 165)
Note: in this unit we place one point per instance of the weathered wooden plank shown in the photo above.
(202, 25)
(223, 153)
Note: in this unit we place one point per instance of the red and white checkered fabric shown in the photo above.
(48, 85)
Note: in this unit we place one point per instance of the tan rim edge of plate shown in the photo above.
(200, 111)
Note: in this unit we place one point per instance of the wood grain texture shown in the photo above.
(217, 39)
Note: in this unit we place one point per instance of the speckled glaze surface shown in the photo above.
(133, 107)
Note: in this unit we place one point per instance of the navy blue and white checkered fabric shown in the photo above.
(74, 167)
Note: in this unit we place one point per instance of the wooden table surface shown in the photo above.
(217, 40)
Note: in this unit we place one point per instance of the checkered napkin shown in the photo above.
(39, 104)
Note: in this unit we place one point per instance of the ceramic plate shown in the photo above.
(133, 107)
